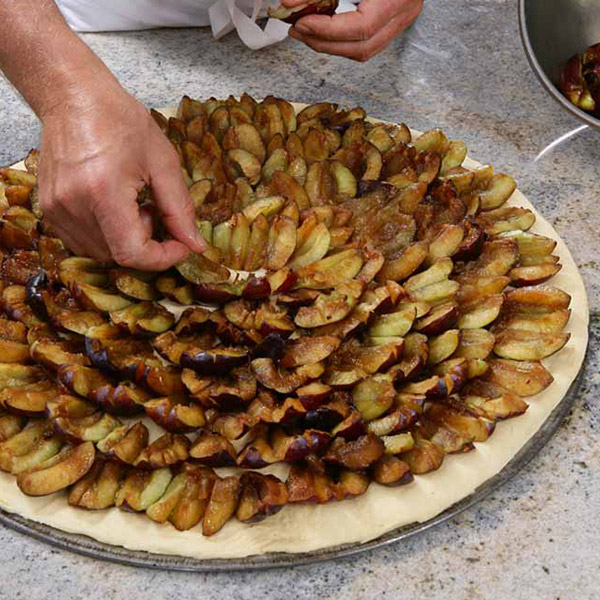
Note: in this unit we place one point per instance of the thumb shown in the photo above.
(172, 197)
(293, 3)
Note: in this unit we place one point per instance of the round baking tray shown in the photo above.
(88, 547)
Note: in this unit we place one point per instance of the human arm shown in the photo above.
(99, 145)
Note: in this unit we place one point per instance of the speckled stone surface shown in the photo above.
(462, 68)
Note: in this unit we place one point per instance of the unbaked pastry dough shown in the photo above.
(303, 528)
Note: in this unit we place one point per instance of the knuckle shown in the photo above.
(95, 187)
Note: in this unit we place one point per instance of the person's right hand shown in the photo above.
(98, 152)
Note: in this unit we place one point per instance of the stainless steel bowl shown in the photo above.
(554, 30)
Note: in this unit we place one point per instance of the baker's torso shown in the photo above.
(121, 15)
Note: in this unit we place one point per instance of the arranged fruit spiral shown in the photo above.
(366, 306)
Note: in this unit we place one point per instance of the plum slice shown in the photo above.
(475, 344)
(222, 504)
(574, 86)
(93, 428)
(124, 444)
(13, 351)
(457, 417)
(213, 450)
(81, 380)
(20, 267)
(98, 488)
(58, 472)
(55, 353)
(261, 496)
(373, 396)
(308, 350)
(394, 422)
(358, 454)
(283, 381)
(229, 392)
(213, 361)
(502, 406)
(21, 441)
(14, 306)
(19, 228)
(134, 284)
(313, 394)
(524, 378)
(330, 308)
(169, 449)
(142, 489)
(425, 457)
(29, 400)
(13, 342)
(518, 344)
(145, 318)
(330, 271)
(175, 414)
(123, 399)
(391, 471)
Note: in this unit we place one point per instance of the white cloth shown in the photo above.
(222, 15)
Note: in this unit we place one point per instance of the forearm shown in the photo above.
(49, 65)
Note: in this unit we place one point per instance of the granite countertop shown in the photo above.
(461, 68)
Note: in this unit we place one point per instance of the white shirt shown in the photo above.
(222, 15)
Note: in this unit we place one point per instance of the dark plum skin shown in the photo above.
(34, 297)
(472, 244)
(257, 288)
(272, 346)
(297, 450)
(213, 362)
(221, 458)
(323, 417)
(116, 401)
(213, 294)
(351, 428)
(320, 7)
(443, 320)
(313, 395)
(98, 356)
(251, 459)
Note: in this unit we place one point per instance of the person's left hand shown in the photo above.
(356, 35)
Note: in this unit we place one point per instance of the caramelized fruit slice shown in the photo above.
(58, 472)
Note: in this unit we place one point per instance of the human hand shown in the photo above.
(356, 35)
(98, 152)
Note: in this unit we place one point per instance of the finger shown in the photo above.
(76, 225)
(128, 238)
(81, 245)
(173, 199)
(361, 25)
(359, 51)
(292, 3)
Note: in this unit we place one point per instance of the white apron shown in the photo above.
(222, 15)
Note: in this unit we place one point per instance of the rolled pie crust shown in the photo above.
(304, 528)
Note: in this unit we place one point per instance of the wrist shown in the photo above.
(81, 93)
